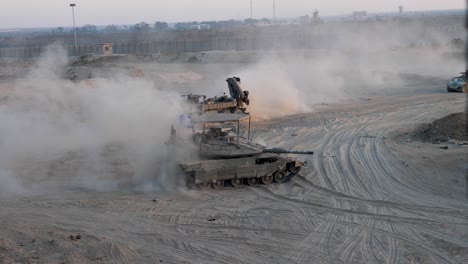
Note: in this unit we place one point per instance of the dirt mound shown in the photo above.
(95, 61)
(453, 126)
(193, 59)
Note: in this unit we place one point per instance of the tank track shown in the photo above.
(228, 184)
(280, 176)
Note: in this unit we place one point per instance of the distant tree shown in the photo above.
(161, 26)
(140, 27)
(265, 21)
(457, 43)
(251, 21)
(60, 30)
(186, 25)
(88, 28)
(111, 28)
(230, 23)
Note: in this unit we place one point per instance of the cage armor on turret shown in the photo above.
(235, 103)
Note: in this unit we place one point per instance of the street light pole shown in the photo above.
(74, 30)
(251, 12)
(274, 12)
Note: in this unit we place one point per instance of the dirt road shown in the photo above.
(369, 196)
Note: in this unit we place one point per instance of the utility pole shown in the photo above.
(251, 12)
(74, 30)
(274, 12)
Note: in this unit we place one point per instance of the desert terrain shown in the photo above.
(84, 177)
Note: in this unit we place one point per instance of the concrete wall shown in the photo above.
(328, 36)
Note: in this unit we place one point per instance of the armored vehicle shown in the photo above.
(236, 103)
(231, 160)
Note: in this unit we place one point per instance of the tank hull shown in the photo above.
(241, 170)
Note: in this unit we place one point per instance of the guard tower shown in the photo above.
(104, 49)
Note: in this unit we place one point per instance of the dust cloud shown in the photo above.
(285, 83)
(102, 137)
(272, 92)
(110, 135)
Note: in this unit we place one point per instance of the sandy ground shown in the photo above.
(370, 194)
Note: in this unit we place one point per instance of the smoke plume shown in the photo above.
(105, 136)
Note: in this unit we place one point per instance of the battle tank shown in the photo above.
(231, 160)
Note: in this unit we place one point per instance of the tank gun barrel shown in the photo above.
(283, 151)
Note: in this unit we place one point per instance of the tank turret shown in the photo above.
(218, 143)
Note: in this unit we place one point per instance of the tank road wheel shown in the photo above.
(190, 181)
(205, 185)
(237, 183)
(218, 184)
(252, 181)
(280, 177)
(296, 170)
(267, 179)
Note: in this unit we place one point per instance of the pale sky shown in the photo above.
(54, 13)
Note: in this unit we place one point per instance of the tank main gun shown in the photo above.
(284, 151)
